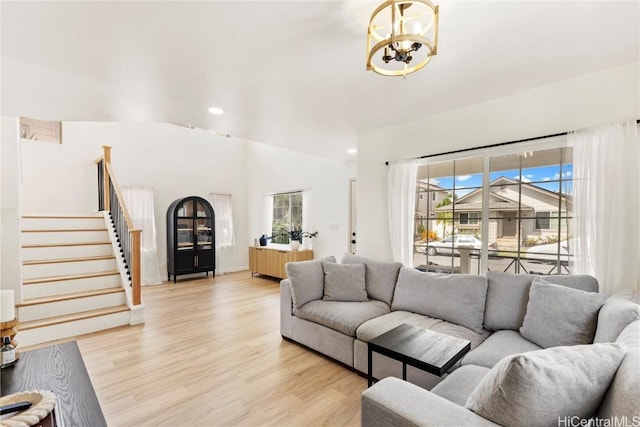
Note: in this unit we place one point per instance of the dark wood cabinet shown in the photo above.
(191, 239)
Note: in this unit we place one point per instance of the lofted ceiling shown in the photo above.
(289, 73)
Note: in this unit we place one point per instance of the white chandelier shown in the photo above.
(402, 36)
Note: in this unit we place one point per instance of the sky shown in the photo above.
(546, 177)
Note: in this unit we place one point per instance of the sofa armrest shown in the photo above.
(393, 402)
(286, 308)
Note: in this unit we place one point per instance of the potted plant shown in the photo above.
(295, 236)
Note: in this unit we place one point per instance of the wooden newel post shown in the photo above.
(135, 266)
(106, 159)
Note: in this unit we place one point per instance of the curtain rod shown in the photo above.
(288, 192)
(499, 144)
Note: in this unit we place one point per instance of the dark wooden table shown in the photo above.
(60, 369)
(422, 348)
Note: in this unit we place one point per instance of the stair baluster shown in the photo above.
(110, 199)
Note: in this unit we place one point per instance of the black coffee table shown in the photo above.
(58, 368)
(421, 348)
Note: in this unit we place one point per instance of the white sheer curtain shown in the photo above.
(225, 242)
(307, 222)
(267, 214)
(402, 205)
(606, 205)
(139, 202)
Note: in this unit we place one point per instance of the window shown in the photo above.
(470, 218)
(40, 130)
(287, 215)
(543, 220)
(224, 219)
(528, 199)
(139, 203)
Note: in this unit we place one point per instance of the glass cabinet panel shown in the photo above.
(185, 209)
(185, 234)
(203, 232)
(201, 211)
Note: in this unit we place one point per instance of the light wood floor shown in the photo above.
(210, 354)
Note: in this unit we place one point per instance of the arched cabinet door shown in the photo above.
(191, 238)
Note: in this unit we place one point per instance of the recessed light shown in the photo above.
(216, 110)
(352, 150)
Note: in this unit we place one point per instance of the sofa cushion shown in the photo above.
(378, 326)
(380, 277)
(457, 298)
(342, 316)
(621, 399)
(508, 294)
(498, 346)
(617, 312)
(541, 387)
(558, 315)
(307, 280)
(459, 384)
(344, 282)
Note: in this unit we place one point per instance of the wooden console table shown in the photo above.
(60, 369)
(270, 261)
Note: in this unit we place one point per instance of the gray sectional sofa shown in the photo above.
(510, 320)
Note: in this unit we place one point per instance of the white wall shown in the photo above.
(274, 170)
(11, 273)
(176, 162)
(592, 99)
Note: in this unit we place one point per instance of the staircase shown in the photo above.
(71, 283)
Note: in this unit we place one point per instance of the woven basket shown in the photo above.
(42, 403)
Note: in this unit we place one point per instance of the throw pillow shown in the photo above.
(617, 312)
(306, 280)
(344, 282)
(539, 388)
(379, 278)
(508, 294)
(558, 315)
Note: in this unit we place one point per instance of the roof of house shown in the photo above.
(494, 205)
(499, 201)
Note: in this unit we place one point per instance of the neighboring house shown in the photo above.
(428, 196)
(543, 213)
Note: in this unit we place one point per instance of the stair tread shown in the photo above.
(70, 277)
(53, 245)
(62, 230)
(62, 260)
(32, 324)
(70, 296)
